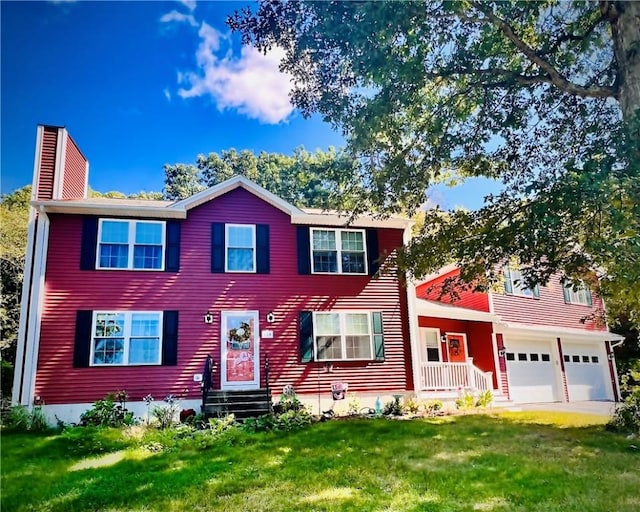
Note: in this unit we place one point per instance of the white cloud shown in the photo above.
(251, 84)
(189, 4)
(167, 93)
(178, 17)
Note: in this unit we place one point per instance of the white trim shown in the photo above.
(253, 247)
(438, 273)
(36, 302)
(131, 244)
(338, 249)
(126, 335)
(58, 172)
(23, 325)
(439, 310)
(342, 334)
(492, 308)
(104, 209)
(232, 184)
(561, 332)
(86, 178)
(496, 358)
(414, 328)
(345, 221)
(255, 383)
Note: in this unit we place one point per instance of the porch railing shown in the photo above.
(453, 376)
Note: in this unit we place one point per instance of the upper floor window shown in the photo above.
(126, 338)
(131, 244)
(580, 295)
(338, 251)
(514, 283)
(240, 251)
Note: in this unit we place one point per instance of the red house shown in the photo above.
(527, 345)
(133, 295)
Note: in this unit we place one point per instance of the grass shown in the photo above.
(506, 462)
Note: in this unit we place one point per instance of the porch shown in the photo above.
(452, 377)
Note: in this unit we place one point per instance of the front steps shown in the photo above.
(241, 403)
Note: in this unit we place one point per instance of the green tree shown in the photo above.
(530, 93)
(315, 180)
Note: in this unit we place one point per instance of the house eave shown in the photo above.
(559, 332)
(119, 210)
(332, 219)
(438, 310)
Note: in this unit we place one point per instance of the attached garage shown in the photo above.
(586, 370)
(531, 371)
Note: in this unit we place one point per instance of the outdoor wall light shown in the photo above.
(271, 317)
(208, 318)
(611, 356)
(443, 338)
(502, 352)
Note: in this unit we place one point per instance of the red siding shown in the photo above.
(47, 164)
(75, 172)
(194, 290)
(466, 298)
(549, 309)
(479, 339)
(504, 380)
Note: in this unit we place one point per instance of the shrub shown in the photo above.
(111, 411)
(393, 407)
(353, 407)
(484, 399)
(290, 420)
(626, 417)
(166, 415)
(188, 416)
(411, 404)
(22, 419)
(465, 400)
(432, 407)
(287, 403)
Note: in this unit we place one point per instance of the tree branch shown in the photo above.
(555, 77)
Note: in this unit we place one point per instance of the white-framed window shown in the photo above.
(338, 251)
(240, 248)
(581, 295)
(431, 344)
(130, 244)
(514, 283)
(343, 336)
(121, 338)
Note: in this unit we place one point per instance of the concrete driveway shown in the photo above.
(602, 408)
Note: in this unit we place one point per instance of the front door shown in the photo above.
(456, 348)
(240, 350)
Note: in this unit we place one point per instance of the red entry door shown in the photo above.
(455, 348)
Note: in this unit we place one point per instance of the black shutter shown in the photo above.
(306, 336)
(262, 249)
(172, 254)
(82, 344)
(89, 243)
(373, 253)
(304, 250)
(378, 337)
(217, 247)
(170, 338)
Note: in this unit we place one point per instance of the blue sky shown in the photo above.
(142, 84)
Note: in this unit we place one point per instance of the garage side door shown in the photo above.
(531, 372)
(586, 370)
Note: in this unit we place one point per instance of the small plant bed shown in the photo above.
(500, 462)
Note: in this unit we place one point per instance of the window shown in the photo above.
(575, 359)
(514, 283)
(545, 357)
(567, 359)
(339, 336)
(511, 356)
(240, 251)
(581, 295)
(338, 251)
(533, 357)
(131, 245)
(522, 357)
(126, 338)
(594, 359)
(431, 340)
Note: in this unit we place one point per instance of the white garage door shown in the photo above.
(586, 369)
(531, 372)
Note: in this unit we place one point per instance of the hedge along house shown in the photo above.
(134, 295)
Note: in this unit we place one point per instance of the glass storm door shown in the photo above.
(240, 350)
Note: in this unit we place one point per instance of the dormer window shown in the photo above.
(514, 283)
(580, 295)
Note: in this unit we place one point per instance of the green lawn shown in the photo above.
(512, 461)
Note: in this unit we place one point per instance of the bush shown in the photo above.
(393, 407)
(626, 418)
(465, 400)
(111, 411)
(287, 403)
(22, 419)
(432, 407)
(290, 420)
(166, 414)
(411, 404)
(484, 399)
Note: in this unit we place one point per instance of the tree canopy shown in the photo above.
(532, 94)
(315, 180)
